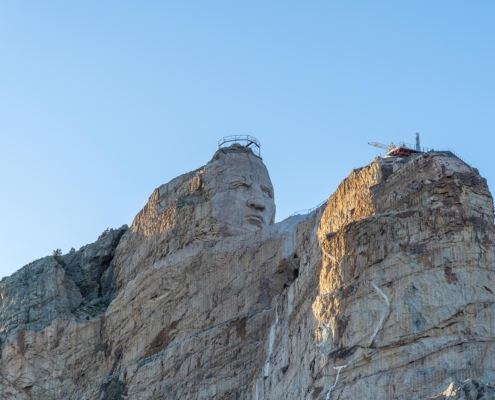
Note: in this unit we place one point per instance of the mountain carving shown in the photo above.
(386, 291)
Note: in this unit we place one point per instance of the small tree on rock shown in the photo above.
(57, 255)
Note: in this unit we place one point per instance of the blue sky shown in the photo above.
(101, 102)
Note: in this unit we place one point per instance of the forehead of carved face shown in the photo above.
(241, 193)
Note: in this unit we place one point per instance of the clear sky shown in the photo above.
(102, 102)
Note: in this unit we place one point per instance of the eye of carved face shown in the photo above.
(267, 191)
(239, 185)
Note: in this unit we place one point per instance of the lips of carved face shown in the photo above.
(256, 220)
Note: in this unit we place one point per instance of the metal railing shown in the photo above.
(448, 152)
(413, 147)
(309, 210)
(243, 140)
(452, 154)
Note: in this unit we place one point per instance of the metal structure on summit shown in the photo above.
(405, 150)
(243, 140)
(402, 149)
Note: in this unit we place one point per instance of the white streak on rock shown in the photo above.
(328, 255)
(378, 327)
(383, 294)
(336, 380)
(271, 342)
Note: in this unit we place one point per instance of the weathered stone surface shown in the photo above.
(58, 287)
(34, 296)
(385, 292)
(90, 267)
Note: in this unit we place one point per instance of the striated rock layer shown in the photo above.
(386, 291)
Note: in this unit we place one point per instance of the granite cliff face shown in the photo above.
(386, 291)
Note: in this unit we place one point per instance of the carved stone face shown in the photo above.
(241, 193)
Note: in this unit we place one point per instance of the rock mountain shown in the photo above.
(386, 291)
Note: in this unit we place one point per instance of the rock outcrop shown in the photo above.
(467, 390)
(386, 291)
(76, 285)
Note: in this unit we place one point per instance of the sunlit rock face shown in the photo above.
(386, 292)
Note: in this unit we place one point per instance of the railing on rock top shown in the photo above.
(244, 140)
(309, 210)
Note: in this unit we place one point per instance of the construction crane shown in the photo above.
(390, 147)
(402, 150)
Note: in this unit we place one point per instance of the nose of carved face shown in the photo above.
(257, 203)
(256, 216)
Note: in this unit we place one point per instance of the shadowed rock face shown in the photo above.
(386, 292)
(72, 286)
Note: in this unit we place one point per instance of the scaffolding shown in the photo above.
(243, 140)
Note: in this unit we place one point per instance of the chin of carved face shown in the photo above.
(243, 195)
